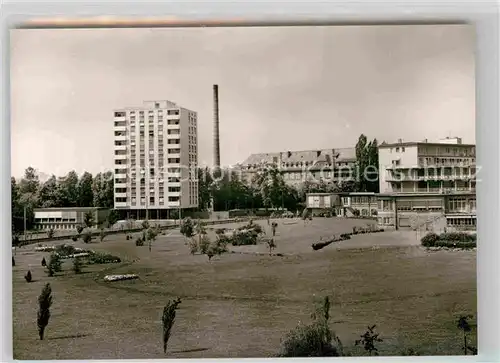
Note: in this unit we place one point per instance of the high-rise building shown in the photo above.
(156, 156)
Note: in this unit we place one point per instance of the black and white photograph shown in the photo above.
(243, 191)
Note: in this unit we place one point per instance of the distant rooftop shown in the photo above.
(448, 140)
(320, 155)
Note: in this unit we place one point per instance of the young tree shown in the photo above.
(113, 217)
(187, 228)
(28, 276)
(77, 265)
(88, 219)
(13, 261)
(55, 264)
(50, 233)
(168, 320)
(271, 244)
(84, 190)
(79, 229)
(368, 340)
(315, 339)
(44, 304)
(464, 325)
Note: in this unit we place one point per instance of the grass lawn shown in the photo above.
(242, 304)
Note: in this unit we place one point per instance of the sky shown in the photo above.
(280, 88)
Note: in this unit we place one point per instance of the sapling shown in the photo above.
(44, 304)
(28, 276)
(368, 340)
(271, 244)
(168, 320)
(463, 324)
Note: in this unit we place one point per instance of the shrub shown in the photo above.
(187, 228)
(74, 238)
(65, 250)
(99, 258)
(43, 316)
(145, 224)
(139, 241)
(458, 237)
(271, 244)
(193, 246)
(368, 340)
(244, 238)
(50, 233)
(28, 276)
(345, 236)
(44, 263)
(313, 340)
(55, 264)
(356, 212)
(220, 231)
(79, 229)
(204, 244)
(13, 261)
(168, 319)
(87, 237)
(77, 265)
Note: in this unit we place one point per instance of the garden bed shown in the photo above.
(111, 278)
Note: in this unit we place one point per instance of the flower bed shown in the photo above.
(110, 278)
(45, 249)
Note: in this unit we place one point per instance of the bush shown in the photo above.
(44, 263)
(77, 265)
(13, 261)
(244, 238)
(74, 238)
(450, 240)
(87, 237)
(55, 264)
(98, 258)
(79, 229)
(50, 233)
(145, 224)
(193, 246)
(28, 276)
(187, 228)
(204, 244)
(313, 340)
(65, 250)
(139, 241)
(345, 236)
(102, 235)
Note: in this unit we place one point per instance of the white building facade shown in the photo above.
(155, 156)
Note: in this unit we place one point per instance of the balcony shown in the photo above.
(121, 138)
(402, 177)
(174, 204)
(174, 184)
(121, 128)
(121, 147)
(121, 205)
(121, 157)
(120, 118)
(174, 156)
(120, 185)
(173, 136)
(121, 195)
(173, 127)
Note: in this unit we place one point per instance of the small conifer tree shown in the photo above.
(168, 320)
(44, 304)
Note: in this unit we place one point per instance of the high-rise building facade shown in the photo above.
(156, 156)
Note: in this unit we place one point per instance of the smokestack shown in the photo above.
(216, 128)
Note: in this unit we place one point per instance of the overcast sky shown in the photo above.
(280, 88)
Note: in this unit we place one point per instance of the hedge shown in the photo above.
(450, 240)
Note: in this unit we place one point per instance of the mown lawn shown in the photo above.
(241, 305)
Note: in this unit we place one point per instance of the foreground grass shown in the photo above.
(241, 305)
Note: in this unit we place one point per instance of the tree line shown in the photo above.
(268, 189)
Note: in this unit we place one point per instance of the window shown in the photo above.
(173, 199)
(172, 112)
(119, 114)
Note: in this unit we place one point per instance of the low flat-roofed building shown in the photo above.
(436, 212)
(67, 218)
